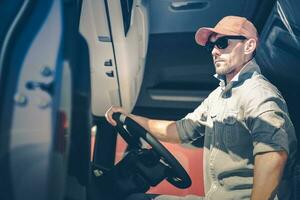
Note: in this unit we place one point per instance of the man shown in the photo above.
(249, 140)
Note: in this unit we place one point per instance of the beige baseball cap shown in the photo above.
(229, 25)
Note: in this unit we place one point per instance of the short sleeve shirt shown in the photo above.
(237, 121)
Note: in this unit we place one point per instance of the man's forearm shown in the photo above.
(268, 169)
(162, 129)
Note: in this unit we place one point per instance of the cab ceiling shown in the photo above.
(174, 16)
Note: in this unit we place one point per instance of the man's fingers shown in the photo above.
(108, 116)
(113, 122)
(110, 112)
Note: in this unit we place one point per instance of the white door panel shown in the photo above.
(130, 49)
(117, 58)
(94, 27)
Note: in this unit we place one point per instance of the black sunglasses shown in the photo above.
(222, 42)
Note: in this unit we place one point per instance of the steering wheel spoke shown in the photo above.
(176, 174)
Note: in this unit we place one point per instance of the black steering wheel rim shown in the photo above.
(180, 177)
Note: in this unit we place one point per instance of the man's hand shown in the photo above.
(161, 129)
(111, 111)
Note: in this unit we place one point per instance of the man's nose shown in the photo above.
(215, 52)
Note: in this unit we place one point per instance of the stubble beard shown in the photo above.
(223, 69)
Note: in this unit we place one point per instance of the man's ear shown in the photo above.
(250, 46)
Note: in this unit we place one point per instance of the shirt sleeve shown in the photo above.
(268, 121)
(192, 126)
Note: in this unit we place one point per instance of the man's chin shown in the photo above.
(222, 71)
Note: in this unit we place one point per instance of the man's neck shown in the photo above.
(230, 76)
(236, 70)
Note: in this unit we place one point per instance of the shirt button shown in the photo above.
(221, 182)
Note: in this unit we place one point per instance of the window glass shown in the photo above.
(126, 13)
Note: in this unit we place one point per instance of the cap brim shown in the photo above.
(203, 34)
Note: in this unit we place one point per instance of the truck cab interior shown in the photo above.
(64, 63)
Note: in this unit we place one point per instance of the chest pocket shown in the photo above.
(232, 131)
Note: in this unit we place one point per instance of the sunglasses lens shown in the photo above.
(222, 43)
(209, 46)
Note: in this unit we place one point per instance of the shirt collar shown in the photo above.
(246, 72)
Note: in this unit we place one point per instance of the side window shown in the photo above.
(126, 13)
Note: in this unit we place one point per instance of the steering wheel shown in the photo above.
(133, 132)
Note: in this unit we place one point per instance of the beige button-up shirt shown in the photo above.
(238, 120)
